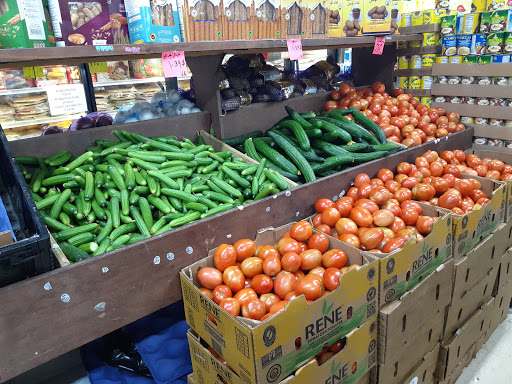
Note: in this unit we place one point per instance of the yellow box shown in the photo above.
(351, 364)
(352, 18)
(432, 16)
(377, 17)
(258, 351)
(294, 22)
(396, 17)
(417, 18)
(334, 18)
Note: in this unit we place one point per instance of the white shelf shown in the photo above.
(44, 120)
(21, 91)
(134, 81)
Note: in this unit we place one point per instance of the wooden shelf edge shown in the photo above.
(493, 69)
(418, 50)
(425, 28)
(472, 90)
(492, 131)
(488, 112)
(419, 92)
(413, 72)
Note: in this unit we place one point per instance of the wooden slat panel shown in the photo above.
(494, 69)
(413, 72)
(419, 92)
(490, 112)
(492, 131)
(474, 90)
(425, 28)
(418, 50)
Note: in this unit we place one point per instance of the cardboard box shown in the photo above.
(406, 267)
(422, 372)
(350, 365)
(81, 22)
(151, 21)
(317, 14)
(501, 305)
(352, 18)
(396, 17)
(462, 307)
(204, 20)
(241, 20)
(411, 327)
(473, 227)
(505, 272)
(256, 349)
(118, 21)
(268, 13)
(334, 18)
(459, 344)
(294, 22)
(377, 17)
(465, 359)
(25, 24)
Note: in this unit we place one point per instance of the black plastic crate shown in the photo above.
(31, 255)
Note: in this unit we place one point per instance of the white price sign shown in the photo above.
(66, 99)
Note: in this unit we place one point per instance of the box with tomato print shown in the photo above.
(350, 364)
(291, 330)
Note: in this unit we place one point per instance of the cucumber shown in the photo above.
(54, 224)
(250, 150)
(70, 232)
(298, 118)
(314, 132)
(357, 147)
(275, 156)
(139, 221)
(80, 239)
(299, 133)
(369, 124)
(74, 254)
(277, 179)
(329, 148)
(333, 162)
(364, 157)
(348, 125)
(59, 203)
(310, 155)
(218, 209)
(333, 129)
(238, 140)
(388, 146)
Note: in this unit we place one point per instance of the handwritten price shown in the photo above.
(295, 49)
(379, 45)
(174, 64)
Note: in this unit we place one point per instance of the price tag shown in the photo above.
(38, 72)
(295, 49)
(66, 99)
(100, 66)
(174, 64)
(132, 49)
(379, 45)
(28, 72)
(104, 48)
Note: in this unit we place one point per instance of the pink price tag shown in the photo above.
(379, 45)
(295, 49)
(174, 64)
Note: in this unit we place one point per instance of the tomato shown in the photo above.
(403, 194)
(412, 204)
(301, 231)
(380, 195)
(441, 120)
(345, 225)
(449, 200)
(394, 244)
(350, 239)
(254, 309)
(385, 175)
(433, 114)
(289, 245)
(207, 292)
(344, 207)
(310, 259)
(404, 168)
(262, 284)
(353, 193)
(477, 194)
(311, 286)
(269, 299)
(409, 182)
(299, 275)
(507, 169)
(290, 296)
(319, 241)
(375, 108)
(441, 132)
(451, 169)
(421, 162)
(322, 204)
(291, 262)
(494, 175)
(317, 220)
(397, 225)
(284, 283)
(506, 177)
(452, 116)
(330, 105)
(278, 307)
(361, 179)
(424, 224)
(272, 265)
(234, 278)
(361, 216)
(409, 216)
(394, 208)
(221, 292)
(225, 256)
(331, 278)
(345, 89)
(334, 258)
(209, 277)
(266, 251)
(392, 186)
(335, 95)
(252, 266)
(397, 91)
(364, 191)
(371, 238)
(368, 204)
(376, 183)
(330, 216)
(245, 294)
(473, 160)
(483, 201)
(383, 217)
(325, 229)
(231, 306)
(496, 165)
(464, 186)
(319, 271)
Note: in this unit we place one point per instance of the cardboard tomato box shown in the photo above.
(501, 305)
(404, 268)
(267, 351)
(505, 272)
(473, 227)
(350, 365)
(453, 350)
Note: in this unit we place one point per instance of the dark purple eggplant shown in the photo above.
(52, 130)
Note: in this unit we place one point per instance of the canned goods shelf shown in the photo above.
(493, 69)
(472, 90)
(492, 131)
(413, 72)
(491, 112)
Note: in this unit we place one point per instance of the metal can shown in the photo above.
(441, 79)
(403, 62)
(497, 102)
(449, 45)
(426, 101)
(442, 60)
(495, 142)
(404, 82)
(463, 45)
(480, 140)
(495, 42)
(497, 122)
(441, 99)
(456, 59)
(481, 120)
(468, 100)
(430, 39)
(484, 80)
(467, 80)
(467, 120)
(507, 48)
(500, 80)
(454, 80)
(470, 23)
(414, 82)
(479, 44)
(406, 20)
(417, 18)
(448, 24)
(484, 59)
(508, 123)
(427, 60)
(509, 103)
(501, 59)
(415, 62)
(456, 100)
(469, 59)
(483, 101)
(431, 16)
(426, 82)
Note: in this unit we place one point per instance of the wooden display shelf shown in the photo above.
(114, 289)
(437, 49)
(489, 112)
(492, 131)
(419, 92)
(424, 28)
(473, 90)
(413, 72)
(87, 54)
(493, 69)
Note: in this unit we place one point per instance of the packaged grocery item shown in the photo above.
(455, 59)
(449, 44)
(118, 21)
(480, 140)
(448, 24)
(508, 102)
(442, 4)
(442, 60)
(396, 16)
(470, 23)
(497, 122)
(240, 22)
(495, 142)
(479, 6)
(431, 16)
(481, 120)
(507, 143)
(483, 101)
(146, 68)
(467, 120)
(426, 101)
(467, 80)
(497, 102)
(427, 60)
(454, 79)
(508, 123)
(426, 82)
(53, 75)
(116, 70)
(495, 42)
(468, 100)
(441, 79)
(415, 62)
(455, 100)
(352, 17)
(484, 59)
(469, 60)
(500, 80)
(81, 23)
(479, 44)
(376, 20)
(507, 46)
(404, 82)
(496, 5)
(406, 20)
(441, 99)
(495, 21)
(430, 39)
(501, 59)
(414, 82)
(334, 13)
(403, 62)
(202, 20)
(464, 44)
(26, 24)
(417, 18)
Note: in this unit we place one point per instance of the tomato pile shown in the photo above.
(402, 118)
(258, 281)
(473, 165)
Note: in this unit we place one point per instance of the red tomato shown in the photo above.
(353, 193)
(221, 292)
(245, 294)
(397, 91)
(254, 309)
(451, 169)
(361, 179)
(331, 278)
(318, 241)
(397, 225)
(364, 191)
(231, 306)
(311, 286)
(266, 251)
(392, 186)
(234, 278)
(383, 218)
(403, 194)
(301, 231)
(262, 284)
(322, 204)
(252, 266)
(385, 175)
(310, 259)
(291, 262)
(225, 256)
(269, 299)
(317, 220)
(404, 168)
(335, 95)
(424, 224)
(361, 216)
(207, 292)
(334, 258)
(371, 238)
(380, 195)
(330, 216)
(345, 225)
(344, 207)
(286, 245)
(210, 277)
(330, 105)
(319, 271)
(350, 239)
(325, 229)
(494, 175)
(284, 283)
(409, 216)
(393, 244)
(449, 200)
(272, 265)
(368, 204)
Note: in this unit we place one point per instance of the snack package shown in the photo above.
(118, 21)
(204, 20)
(153, 21)
(294, 22)
(268, 13)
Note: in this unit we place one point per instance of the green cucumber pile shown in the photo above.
(122, 192)
(304, 147)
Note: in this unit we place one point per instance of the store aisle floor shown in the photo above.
(492, 363)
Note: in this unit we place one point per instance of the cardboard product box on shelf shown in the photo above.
(118, 21)
(25, 24)
(146, 68)
(294, 22)
(471, 228)
(334, 18)
(352, 18)
(403, 269)
(505, 272)
(350, 365)
(376, 17)
(81, 22)
(260, 351)
(453, 349)
(203, 20)
(462, 307)
(268, 13)
(318, 14)
(153, 21)
(421, 372)
(241, 20)
(396, 17)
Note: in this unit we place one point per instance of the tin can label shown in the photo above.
(464, 44)
(427, 60)
(449, 45)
